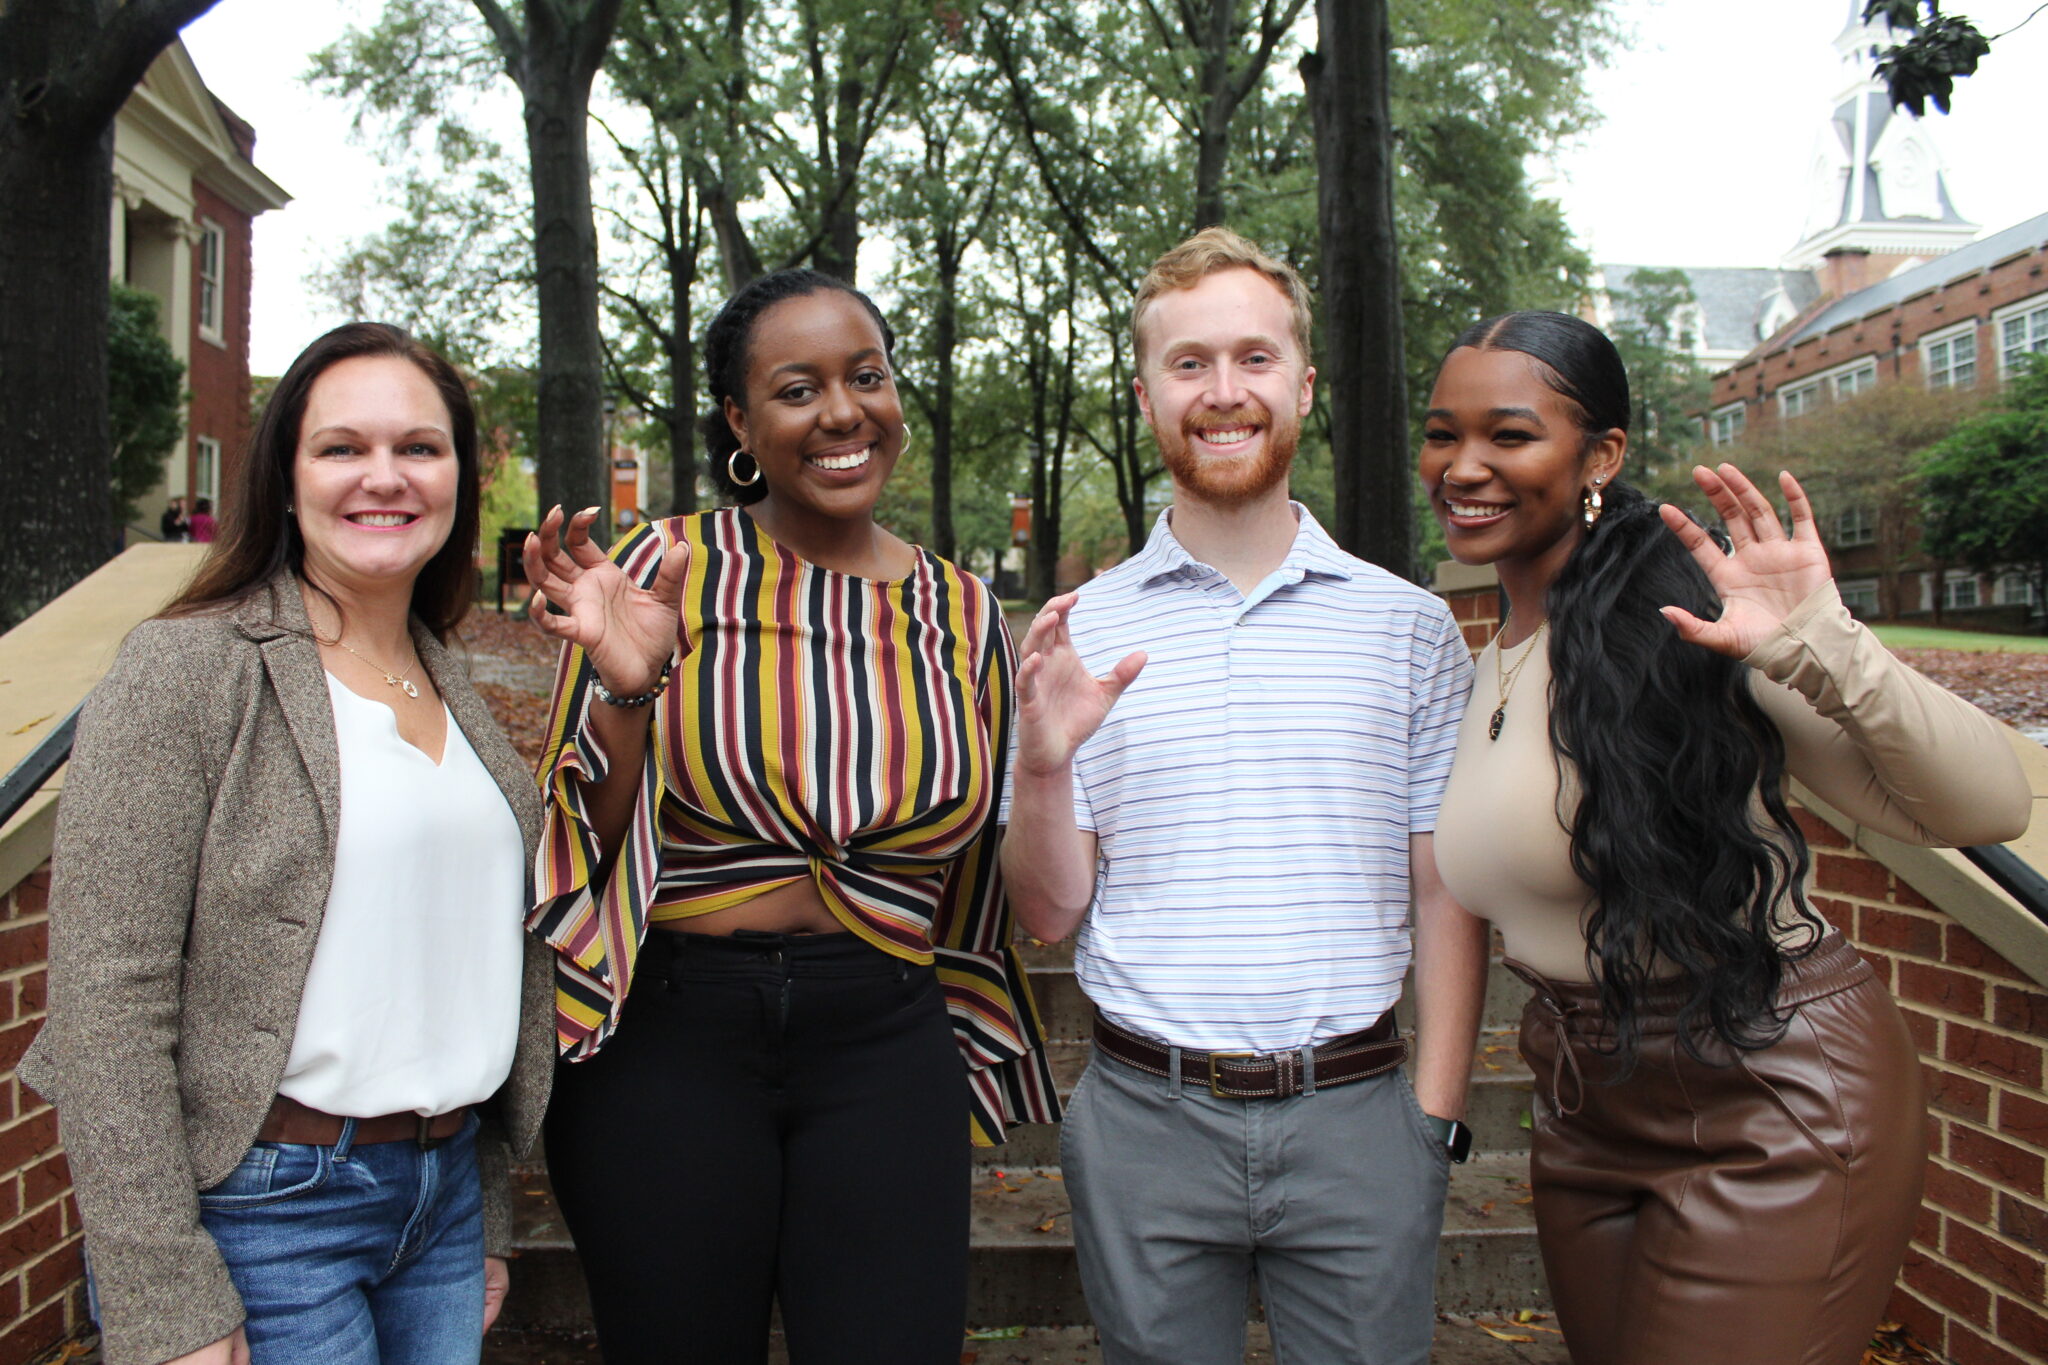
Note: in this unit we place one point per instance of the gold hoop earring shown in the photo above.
(903, 446)
(1589, 505)
(732, 470)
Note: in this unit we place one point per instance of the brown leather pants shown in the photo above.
(1754, 1211)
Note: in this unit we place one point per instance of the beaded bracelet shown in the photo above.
(607, 696)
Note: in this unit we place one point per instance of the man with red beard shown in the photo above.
(1239, 841)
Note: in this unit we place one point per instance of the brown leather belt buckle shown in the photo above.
(1216, 1081)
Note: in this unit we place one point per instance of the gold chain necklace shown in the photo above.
(1507, 676)
(400, 680)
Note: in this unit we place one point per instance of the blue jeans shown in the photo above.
(347, 1255)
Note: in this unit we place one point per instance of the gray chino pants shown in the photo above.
(1333, 1199)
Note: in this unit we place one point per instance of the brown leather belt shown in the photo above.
(290, 1121)
(1263, 1076)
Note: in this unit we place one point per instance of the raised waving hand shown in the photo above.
(1059, 702)
(627, 631)
(1767, 574)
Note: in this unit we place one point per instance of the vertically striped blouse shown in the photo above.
(848, 730)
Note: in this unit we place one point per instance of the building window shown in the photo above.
(1855, 526)
(1951, 361)
(206, 468)
(212, 251)
(1859, 596)
(1729, 422)
(2022, 330)
(2015, 590)
(1855, 380)
(1959, 591)
(1797, 402)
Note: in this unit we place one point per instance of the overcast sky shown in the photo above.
(1709, 121)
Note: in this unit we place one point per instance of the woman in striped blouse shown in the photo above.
(779, 741)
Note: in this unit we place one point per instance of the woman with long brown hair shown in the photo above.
(290, 1034)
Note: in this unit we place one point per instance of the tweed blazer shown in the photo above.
(194, 851)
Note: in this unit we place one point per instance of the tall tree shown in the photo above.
(1986, 485)
(1363, 369)
(552, 57)
(145, 397)
(66, 67)
(1656, 329)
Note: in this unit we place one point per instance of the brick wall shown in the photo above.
(1890, 335)
(1477, 612)
(1977, 1275)
(42, 1293)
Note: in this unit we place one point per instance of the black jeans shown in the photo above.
(778, 1117)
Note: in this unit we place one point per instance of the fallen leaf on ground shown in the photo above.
(24, 729)
(1503, 1336)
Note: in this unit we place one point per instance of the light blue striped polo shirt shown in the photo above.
(1254, 790)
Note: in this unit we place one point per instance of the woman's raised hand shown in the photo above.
(1768, 573)
(627, 631)
(1059, 702)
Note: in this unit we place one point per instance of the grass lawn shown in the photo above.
(1972, 641)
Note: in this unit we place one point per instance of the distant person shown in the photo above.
(202, 522)
(174, 524)
(787, 991)
(295, 1020)
(1728, 1134)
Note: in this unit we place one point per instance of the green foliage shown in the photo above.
(1985, 488)
(1023, 161)
(1656, 330)
(145, 397)
(1937, 49)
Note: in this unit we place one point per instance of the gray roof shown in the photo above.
(1732, 298)
(1928, 275)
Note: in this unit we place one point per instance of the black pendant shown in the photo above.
(1500, 714)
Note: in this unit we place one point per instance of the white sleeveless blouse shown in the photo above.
(412, 1001)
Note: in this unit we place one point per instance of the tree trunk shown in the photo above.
(945, 341)
(682, 382)
(1363, 368)
(66, 66)
(556, 80)
(1212, 138)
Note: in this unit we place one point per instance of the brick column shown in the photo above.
(42, 1294)
(1977, 1273)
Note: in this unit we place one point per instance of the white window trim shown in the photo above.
(2032, 304)
(1738, 409)
(1866, 529)
(1855, 591)
(1956, 578)
(1950, 334)
(206, 468)
(216, 329)
(1824, 380)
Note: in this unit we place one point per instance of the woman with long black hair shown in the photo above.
(1727, 1152)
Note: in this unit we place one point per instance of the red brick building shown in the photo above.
(1887, 284)
(186, 196)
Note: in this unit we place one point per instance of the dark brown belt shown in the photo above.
(290, 1121)
(1263, 1076)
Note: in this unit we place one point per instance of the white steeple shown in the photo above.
(1875, 182)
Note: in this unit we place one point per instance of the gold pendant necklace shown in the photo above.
(1507, 677)
(397, 680)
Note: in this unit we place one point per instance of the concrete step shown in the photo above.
(1023, 1270)
(1459, 1341)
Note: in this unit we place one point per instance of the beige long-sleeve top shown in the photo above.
(1866, 733)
